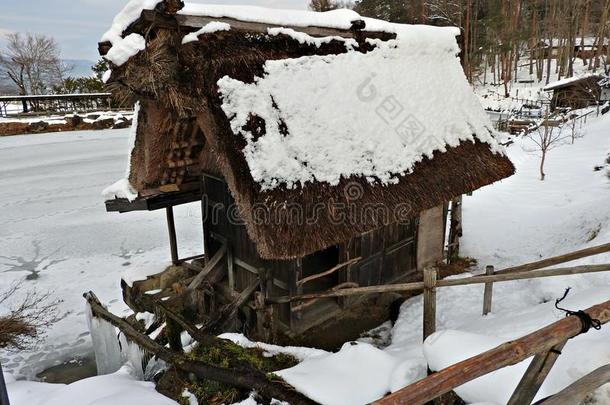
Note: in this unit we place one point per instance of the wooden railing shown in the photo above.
(544, 344)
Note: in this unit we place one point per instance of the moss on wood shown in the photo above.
(226, 355)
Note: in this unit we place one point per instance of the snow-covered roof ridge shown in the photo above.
(341, 19)
(569, 80)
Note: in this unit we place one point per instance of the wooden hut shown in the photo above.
(575, 92)
(324, 147)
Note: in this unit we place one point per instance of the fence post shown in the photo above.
(489, 287)
(535, 375)
(3, 392)
(430, 276)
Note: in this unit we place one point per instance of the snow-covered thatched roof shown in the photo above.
(296, 106)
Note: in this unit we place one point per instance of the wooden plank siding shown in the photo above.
(388, 255)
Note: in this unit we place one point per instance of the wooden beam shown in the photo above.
(507, 354)
(535, 375)
(577, 392)
(173, 242)
(228, 312)
(153, 202)
(208, 269)
(338, 267)
(197, 22)
(568, 257)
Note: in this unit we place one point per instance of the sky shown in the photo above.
(78, 24)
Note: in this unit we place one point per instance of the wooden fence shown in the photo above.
(55, 103)
(545, 344)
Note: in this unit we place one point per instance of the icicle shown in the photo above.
(105, 344)
(133, 356)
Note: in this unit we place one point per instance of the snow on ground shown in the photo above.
(88, 117)
(518, 220)
(119, 388)
(56, 236)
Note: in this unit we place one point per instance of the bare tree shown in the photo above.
(32, 62)
(546, 136)
(26, 322)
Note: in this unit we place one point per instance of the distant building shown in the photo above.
(575, 92)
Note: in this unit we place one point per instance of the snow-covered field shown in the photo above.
(518, 220)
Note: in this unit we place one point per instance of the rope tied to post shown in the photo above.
(585, 319)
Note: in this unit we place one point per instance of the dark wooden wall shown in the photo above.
(388, 254)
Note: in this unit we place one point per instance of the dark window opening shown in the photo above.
(319, 263)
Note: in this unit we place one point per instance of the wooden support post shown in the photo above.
(455, 230)
(487, 295)
(171, 227)
(3, 391)
(207, 236)
(299, 288)
(230, 264)
(430, 275)
(535, 375)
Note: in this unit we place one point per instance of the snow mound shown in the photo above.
(357, 374)
(120, 388)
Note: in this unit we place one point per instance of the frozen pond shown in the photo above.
(55, 235)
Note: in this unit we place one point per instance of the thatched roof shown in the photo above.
(322, 132)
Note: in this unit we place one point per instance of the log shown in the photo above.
(576, 393)
(568, 257)
(249, 380)
(507, 354)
